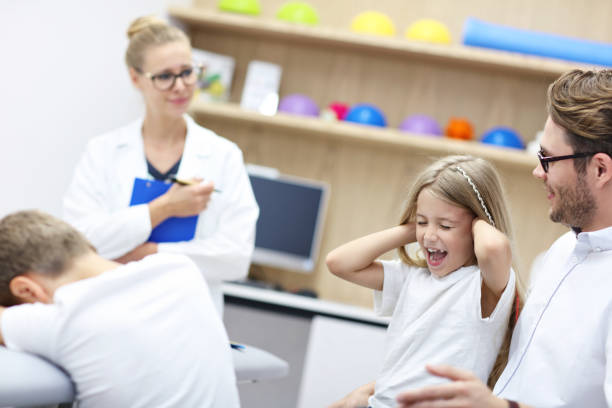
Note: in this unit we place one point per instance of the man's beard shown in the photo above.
(576, 205)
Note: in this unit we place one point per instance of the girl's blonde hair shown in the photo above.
(461, 181)
(148, 31)
(474, 184)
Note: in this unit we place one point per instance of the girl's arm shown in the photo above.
(494, 255)
(355, 260)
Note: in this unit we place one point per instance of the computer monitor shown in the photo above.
(291, 213)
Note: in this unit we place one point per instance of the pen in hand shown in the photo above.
(188, 183)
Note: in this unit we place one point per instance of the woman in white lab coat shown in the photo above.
(165, 143)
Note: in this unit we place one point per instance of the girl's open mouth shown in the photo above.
(435, 256)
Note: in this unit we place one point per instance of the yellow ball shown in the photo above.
(428, 30)
(240, 6)
(373, 22)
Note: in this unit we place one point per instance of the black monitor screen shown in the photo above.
(288, 215)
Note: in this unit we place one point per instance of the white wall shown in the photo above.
(62, 81)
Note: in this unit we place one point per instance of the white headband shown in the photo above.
(482, 204)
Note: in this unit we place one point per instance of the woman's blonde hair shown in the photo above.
(148, 31)
(474, 184)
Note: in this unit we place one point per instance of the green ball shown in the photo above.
(241, 6)
(298, 12)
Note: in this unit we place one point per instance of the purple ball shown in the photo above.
(422, 124)
(298, 104)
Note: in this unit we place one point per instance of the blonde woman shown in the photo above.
(165, 143)
(451, 303)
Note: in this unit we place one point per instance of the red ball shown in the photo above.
(340, 109)
(459, 128)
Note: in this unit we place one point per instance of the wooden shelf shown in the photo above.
(355, 133)
(454, 54)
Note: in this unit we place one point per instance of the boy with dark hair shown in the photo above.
(144, 334)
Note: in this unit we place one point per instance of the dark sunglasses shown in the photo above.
(544, 160)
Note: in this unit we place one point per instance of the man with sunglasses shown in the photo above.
(562, 342)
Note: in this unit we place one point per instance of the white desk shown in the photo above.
(331, 347)
(27, 380)
(310, 305)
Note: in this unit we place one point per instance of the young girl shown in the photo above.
(451, 302)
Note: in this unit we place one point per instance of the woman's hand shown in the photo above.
(181, 201)
(185, 201)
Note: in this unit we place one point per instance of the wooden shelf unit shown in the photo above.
(336, 38)
(370, 169)
(356, 133)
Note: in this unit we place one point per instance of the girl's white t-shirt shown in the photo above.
(435, 321)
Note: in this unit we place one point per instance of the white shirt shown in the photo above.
(97, 201)
(435, 321)
(564, 335)
(141, 335)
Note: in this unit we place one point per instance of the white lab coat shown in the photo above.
(97, 201)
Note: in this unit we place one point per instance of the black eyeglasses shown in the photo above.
(544, 160)
(166, 80)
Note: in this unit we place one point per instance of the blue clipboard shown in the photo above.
(173, 229)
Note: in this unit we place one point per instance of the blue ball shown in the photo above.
(366, 114)
(503, 136)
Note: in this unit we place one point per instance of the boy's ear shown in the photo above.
(28, 290)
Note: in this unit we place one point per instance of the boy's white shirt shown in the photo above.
(435, 321)
(142, 335)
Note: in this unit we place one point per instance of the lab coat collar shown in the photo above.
(200, 146)
(132, 137)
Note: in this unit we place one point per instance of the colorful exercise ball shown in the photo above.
(421, 124)
(503, 136)
(241, 6)
(373, 22)
(298, 12)
(298, 104)
(366, 114)
(428, 30)
(459, 128)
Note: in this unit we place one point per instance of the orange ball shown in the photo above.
(459, 128)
